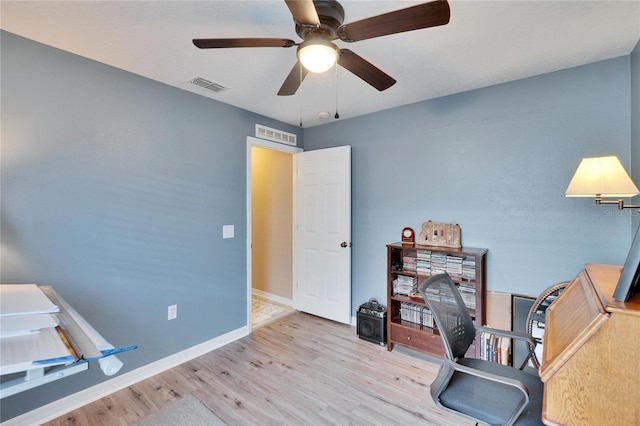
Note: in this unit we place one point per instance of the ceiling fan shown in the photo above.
(319, 22)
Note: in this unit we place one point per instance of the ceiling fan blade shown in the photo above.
(365, 70)
(412, 18)
(293, 80)
(304, 12)
(221, 43)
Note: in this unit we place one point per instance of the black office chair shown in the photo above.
(483, 391)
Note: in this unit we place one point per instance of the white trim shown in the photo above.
(72, 402)
(273, 297)
(261, 143)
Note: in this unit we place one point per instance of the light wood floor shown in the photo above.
(300, 370)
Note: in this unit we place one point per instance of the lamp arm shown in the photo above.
(619, 203)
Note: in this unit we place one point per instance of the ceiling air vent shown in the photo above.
(209, 85)
(264, 132)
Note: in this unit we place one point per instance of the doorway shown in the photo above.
(269, 231)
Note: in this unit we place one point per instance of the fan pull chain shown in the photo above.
(299, 90)
(337, 115)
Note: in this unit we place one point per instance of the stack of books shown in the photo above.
(409, 263)
(416, 314)
(405, 285)
(469, 268)
(495, 348)
(438, 263)
(468, 293)
(454, 266)
(423, 262)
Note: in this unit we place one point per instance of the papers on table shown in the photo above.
(28, 329)
(18, 325)
(22, 353)
(24, 299)
(25, 309)
(40, 330)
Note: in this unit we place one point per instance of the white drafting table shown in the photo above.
(52, 352)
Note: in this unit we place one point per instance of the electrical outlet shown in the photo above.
(172, 312)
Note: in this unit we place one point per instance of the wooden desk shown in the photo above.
(590, 366)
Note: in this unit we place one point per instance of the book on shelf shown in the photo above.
(423, 254)
(468, 293)
(416, 314)
(423, 263)
(409, 263)
(454, 265)
(469, 268)
(495, 348)
(405, 285)
(423, 270)
(428, 263)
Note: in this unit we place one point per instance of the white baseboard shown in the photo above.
(72, 402)
(273, 297)
(284, 301)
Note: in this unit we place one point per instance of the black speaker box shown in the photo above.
(372, 322)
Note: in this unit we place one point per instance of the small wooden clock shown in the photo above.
(408, 236)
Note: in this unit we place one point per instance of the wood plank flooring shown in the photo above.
(299, 370)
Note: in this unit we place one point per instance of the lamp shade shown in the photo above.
(317, 55)
(603, 176)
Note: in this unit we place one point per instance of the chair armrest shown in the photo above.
(508, 333)
(450, 367)
(529, 339)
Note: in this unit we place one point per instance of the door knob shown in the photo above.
(343, 244)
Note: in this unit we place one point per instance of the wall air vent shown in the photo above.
(264, 132)
(209, 85)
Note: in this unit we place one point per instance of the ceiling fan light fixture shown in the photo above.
(317, 55)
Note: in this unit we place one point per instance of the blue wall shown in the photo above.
(115, 189)
(497, 161)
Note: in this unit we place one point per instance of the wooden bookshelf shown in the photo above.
(414, 330)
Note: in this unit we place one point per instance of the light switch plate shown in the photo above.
(172, 312)
(227, 231)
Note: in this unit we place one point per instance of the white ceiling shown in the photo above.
(485, 43)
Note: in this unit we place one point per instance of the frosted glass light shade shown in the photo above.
(318, 55)
(603, 176)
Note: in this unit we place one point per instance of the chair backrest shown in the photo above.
(450, 314)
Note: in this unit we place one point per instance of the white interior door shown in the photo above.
(322, 233)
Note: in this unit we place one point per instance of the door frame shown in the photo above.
(274, 146)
